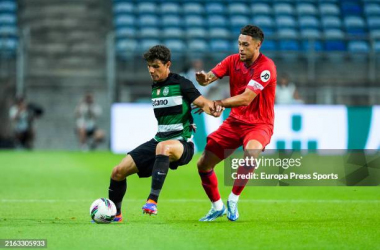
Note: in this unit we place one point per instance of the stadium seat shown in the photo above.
(123, 8)
(8, 30)
(175, 45)
(216, 21)
(192, 9)
(373, 22)
(306, 9)
(377, 46)
(8, 44)
(308, 45)
(269, 45)
(331, 22)
(283, 9)
(8, 6)
(197, 46)
(219, 33)
(289, 45)
(219, 45)
(261, 9)
(238, 22)
(214, 8)
(171, 21)
(334, 34)
(335, 45)
(263, 21)
(375, 34)
(308, 22)
(194, 21)
(122, 32)
(172, 32)
(351, 8)
(355, 26)
(285, 22)
(148, 20)
(170, 8)
(287, 33)
(147, 8)
(126, 45)
(372, 9)
(238, 9)
(354, 22)
(124, 20)
(358, 47)
(196, 33)
(310, 34)
(329, 9)
(7, 19)
(149, 32)
(146, 44)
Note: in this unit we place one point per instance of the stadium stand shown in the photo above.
(319, 20)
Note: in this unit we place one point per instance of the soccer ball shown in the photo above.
(103, 211)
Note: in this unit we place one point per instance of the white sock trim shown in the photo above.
(233, 197)
(218, 205)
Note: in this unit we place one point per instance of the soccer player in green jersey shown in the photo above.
(172, 146)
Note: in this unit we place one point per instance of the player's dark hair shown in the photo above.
(159, 52)
(253, 31)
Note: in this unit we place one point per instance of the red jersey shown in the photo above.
(260, 77)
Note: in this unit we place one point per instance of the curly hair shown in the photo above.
(159, 52)
(253, 31)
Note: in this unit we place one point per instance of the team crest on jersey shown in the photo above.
(165, 91)
(265, 76)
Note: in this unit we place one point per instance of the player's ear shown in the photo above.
(168, 64)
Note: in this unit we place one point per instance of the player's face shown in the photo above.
(158, 71)
(248, 47)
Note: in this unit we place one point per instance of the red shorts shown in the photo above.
(233, 134)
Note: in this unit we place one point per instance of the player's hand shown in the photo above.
(218, 106)
(202, 77)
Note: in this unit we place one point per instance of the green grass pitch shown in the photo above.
(47, 195)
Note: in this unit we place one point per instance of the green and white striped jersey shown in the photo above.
(171, 100)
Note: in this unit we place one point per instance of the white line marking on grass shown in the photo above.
(194, 200)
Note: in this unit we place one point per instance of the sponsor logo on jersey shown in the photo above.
(265, 75)
(162, 102)
(166, 91)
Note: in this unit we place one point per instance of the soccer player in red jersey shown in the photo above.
(250, 124)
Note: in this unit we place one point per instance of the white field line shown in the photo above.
(194, 200)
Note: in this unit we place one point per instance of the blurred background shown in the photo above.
(63, 64)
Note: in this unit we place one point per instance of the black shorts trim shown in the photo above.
(144, 157)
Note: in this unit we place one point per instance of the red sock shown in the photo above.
(239, 184)
(210, 185)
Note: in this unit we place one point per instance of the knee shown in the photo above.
(117, 174)
(203, 165)
(164, 148)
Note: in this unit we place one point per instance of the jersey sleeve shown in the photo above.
(223, 68)
(189, 91)
(261, 78)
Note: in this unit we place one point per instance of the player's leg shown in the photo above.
(252, 149)
(206, 165)
(166, 152)
(82, 134)
(118, 182)
(98, 137)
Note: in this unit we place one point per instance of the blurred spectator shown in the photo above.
(286, 91)
(87, 112)
(22, 116)
(197, 65)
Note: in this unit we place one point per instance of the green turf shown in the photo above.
(47, 195)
